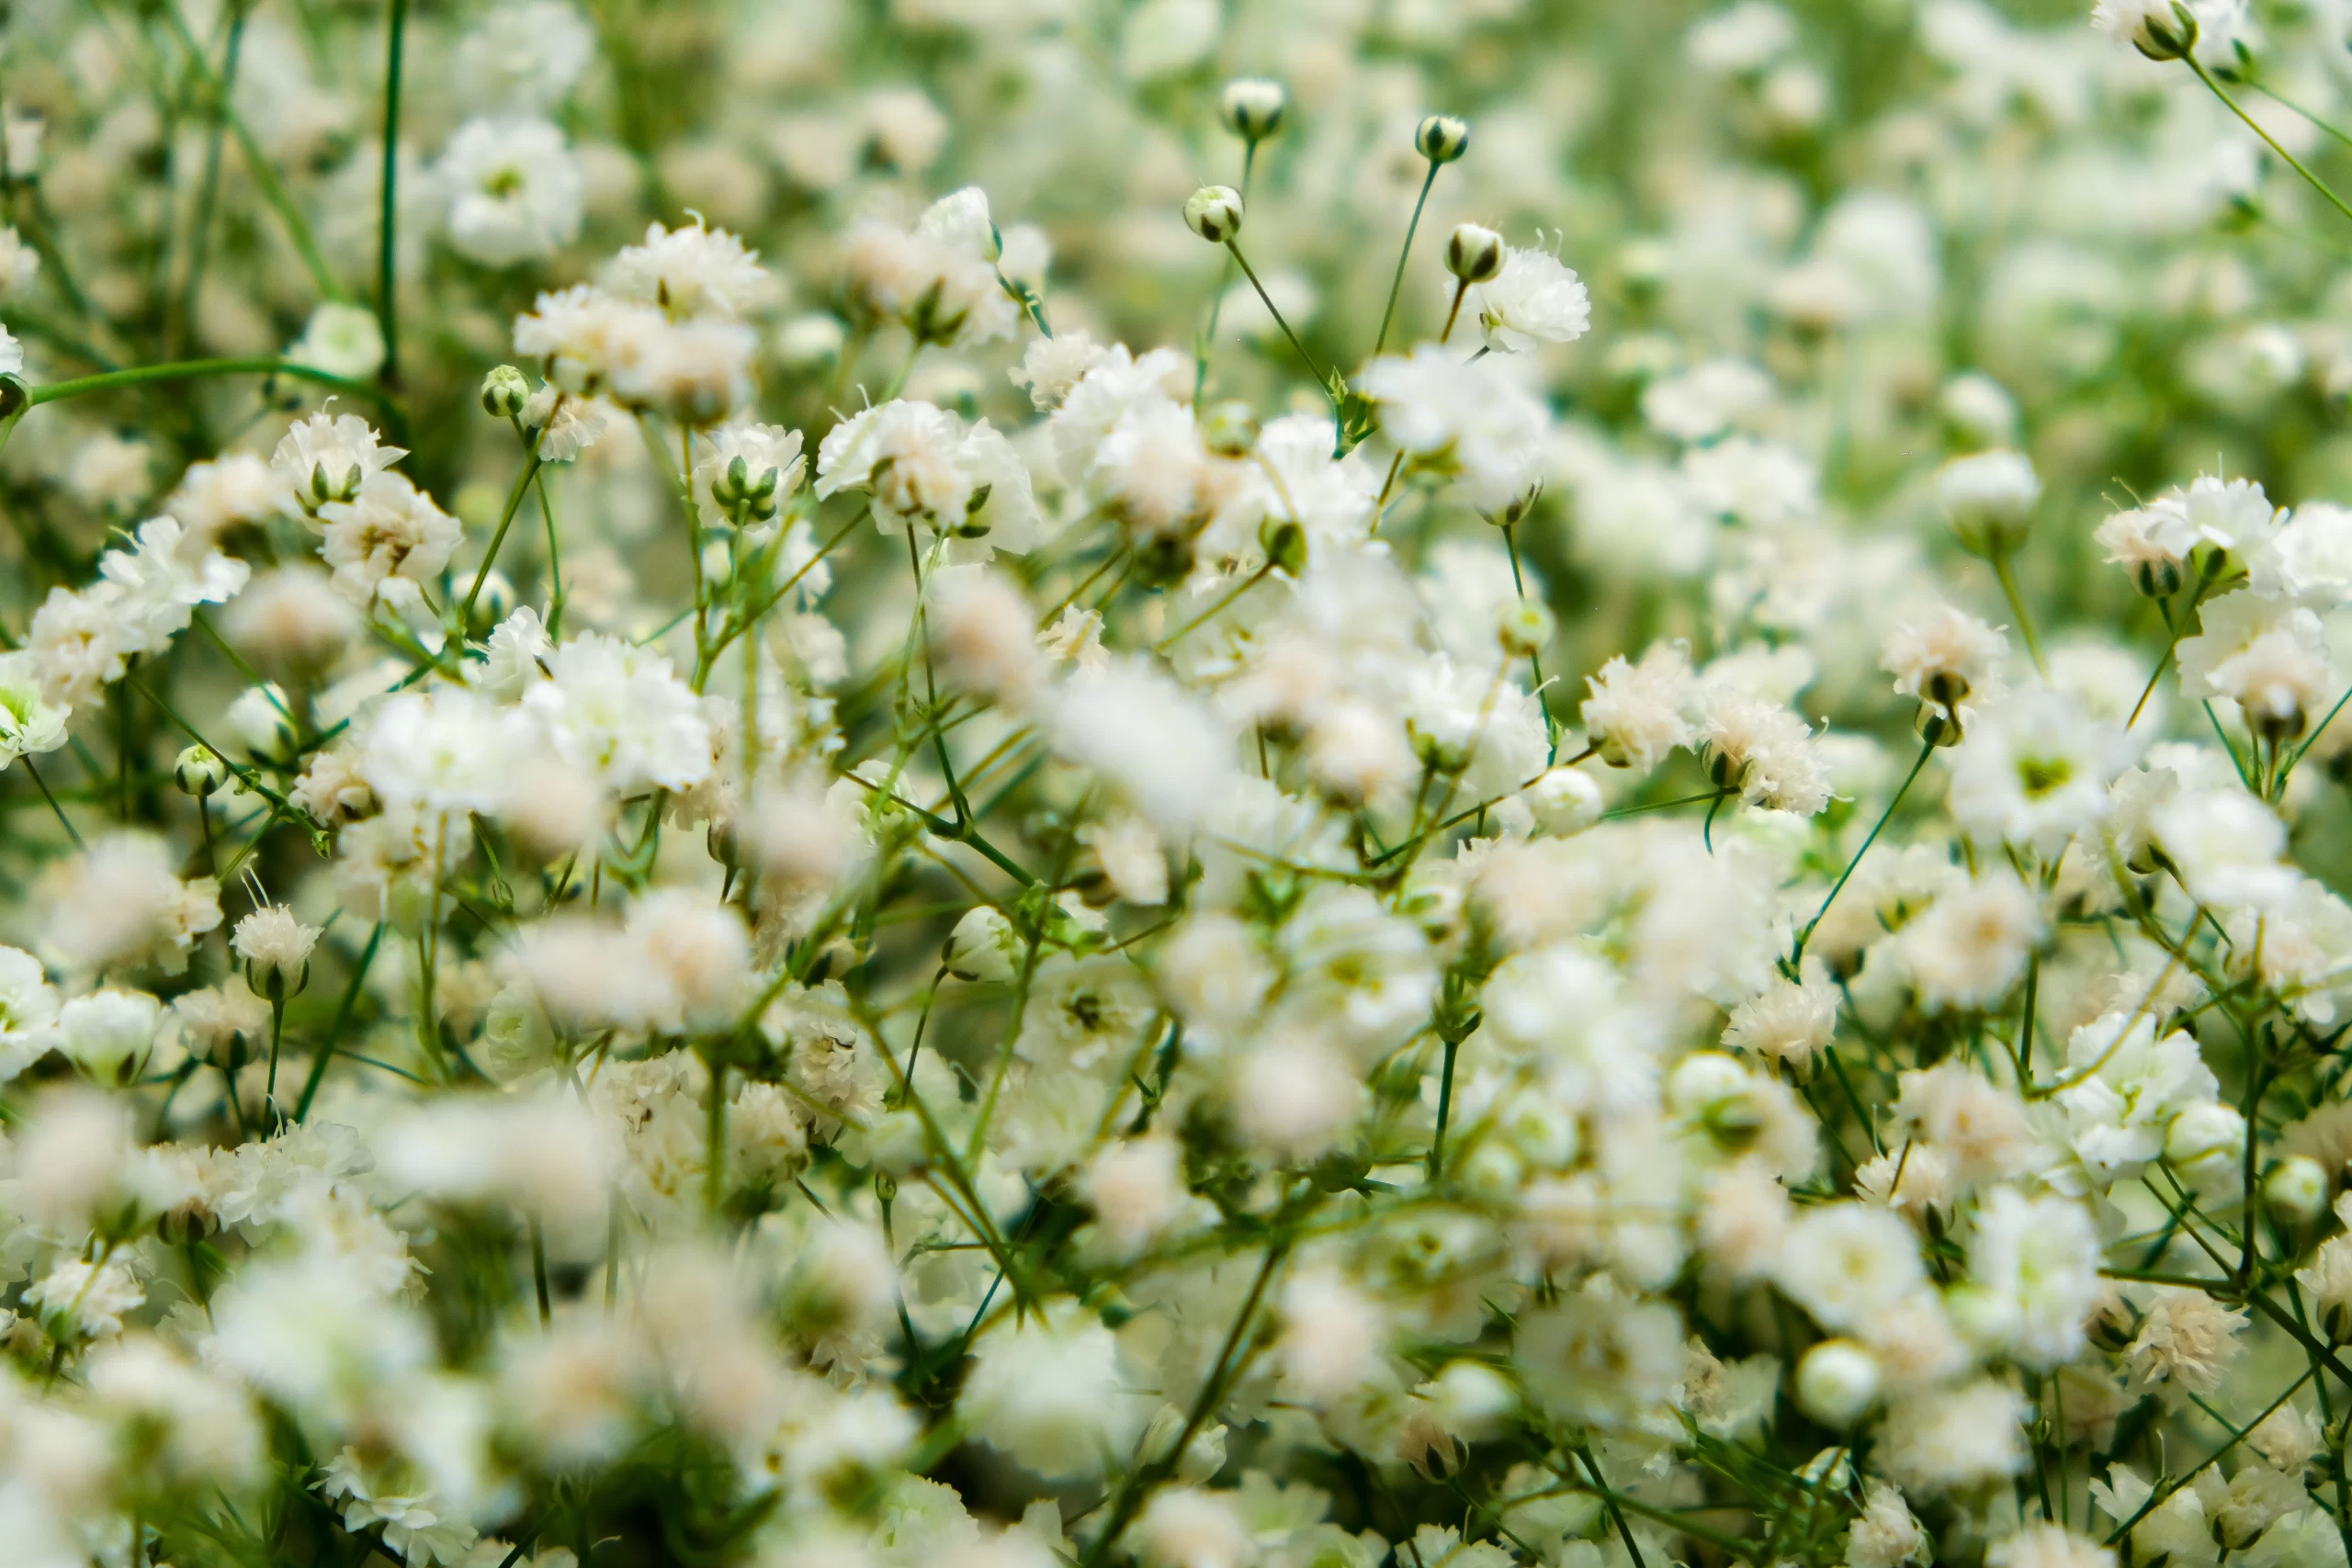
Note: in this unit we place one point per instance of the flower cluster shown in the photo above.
(766, 805)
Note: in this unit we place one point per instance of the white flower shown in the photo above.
(1467, 421)
(2187, 1339)
(342, 340)
(27, 1011)
(524, 55)
(2267, 656)
(2033, 771)
(772, 464)
(2227, 514)
(271, 940)
(327, 457)
(12, 353)
(2226, 846)
(921, 464)
(1971, 945)
(1706, 400)
(1161, 745)
(1533, 299)
(30, 723)
(1046, 1389)
(516, 192)
(1988, 498)
(1844, 1263)
(1638, 713)
(2036, 1261)
(691, 271)
(107, 1034)
(2127, 1087)
(387, 543)
(939, 279)
(696, 372)
(19, 265)
(1761, 750)
(616, 710)
(1943, 657)
(159, 584)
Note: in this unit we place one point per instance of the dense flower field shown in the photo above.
(1317, 784)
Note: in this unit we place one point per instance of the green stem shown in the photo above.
(1396, 284)
(506, 519)
(1797, 960)
(1444, 1106)
(208, 190)
(1312, 368)
(2292, 162)
(259, 169)
(2017, 607)
(62, 820)
(341, 1017)
(386, 225)
(194, 369)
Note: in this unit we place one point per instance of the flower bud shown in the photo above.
(2296, 1191)
(1441, 138)
(14, 395)
(504, 391)
(2165, 30)
(1286, 545)
(1251, 107)
(1230, 430)
(1989, 498)
(492, 605)
(1837, 1383)
(1215, 213)
(983, 946)
(199, 771)
(1515, 510)
(1524, 627)
(1473, 253)
(1565, 802)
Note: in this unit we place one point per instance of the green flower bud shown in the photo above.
(199, 772)
(1215, 213)
(1251, 107)
(504, 391)
(1473, 253)
(1441, 138)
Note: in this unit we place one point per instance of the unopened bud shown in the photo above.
(1286, 545)
(14, 395)
(1837, 1383)
(983, 946)
(1230, 430)
(2166, 32)
(199, 772)
(1215, 213)
(1251, 107)
(1524, 627)
(504, 391)
(2296, 1191)
(1473, 253)
(1515, 510)
(1441, 138)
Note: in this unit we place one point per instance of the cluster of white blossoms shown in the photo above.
(762, 804)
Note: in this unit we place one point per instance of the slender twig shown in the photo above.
(1396, 283)
(388, 223)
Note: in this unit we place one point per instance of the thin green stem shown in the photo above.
(506, 519)
(1444, 1106)
(259, 168)
(386, 222)
(1312, 368)
(2017, 607)
(1396, 284)
(58, 811)
(195, 369)
(1797, 960)
(2292, 162)
(341, 1017)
